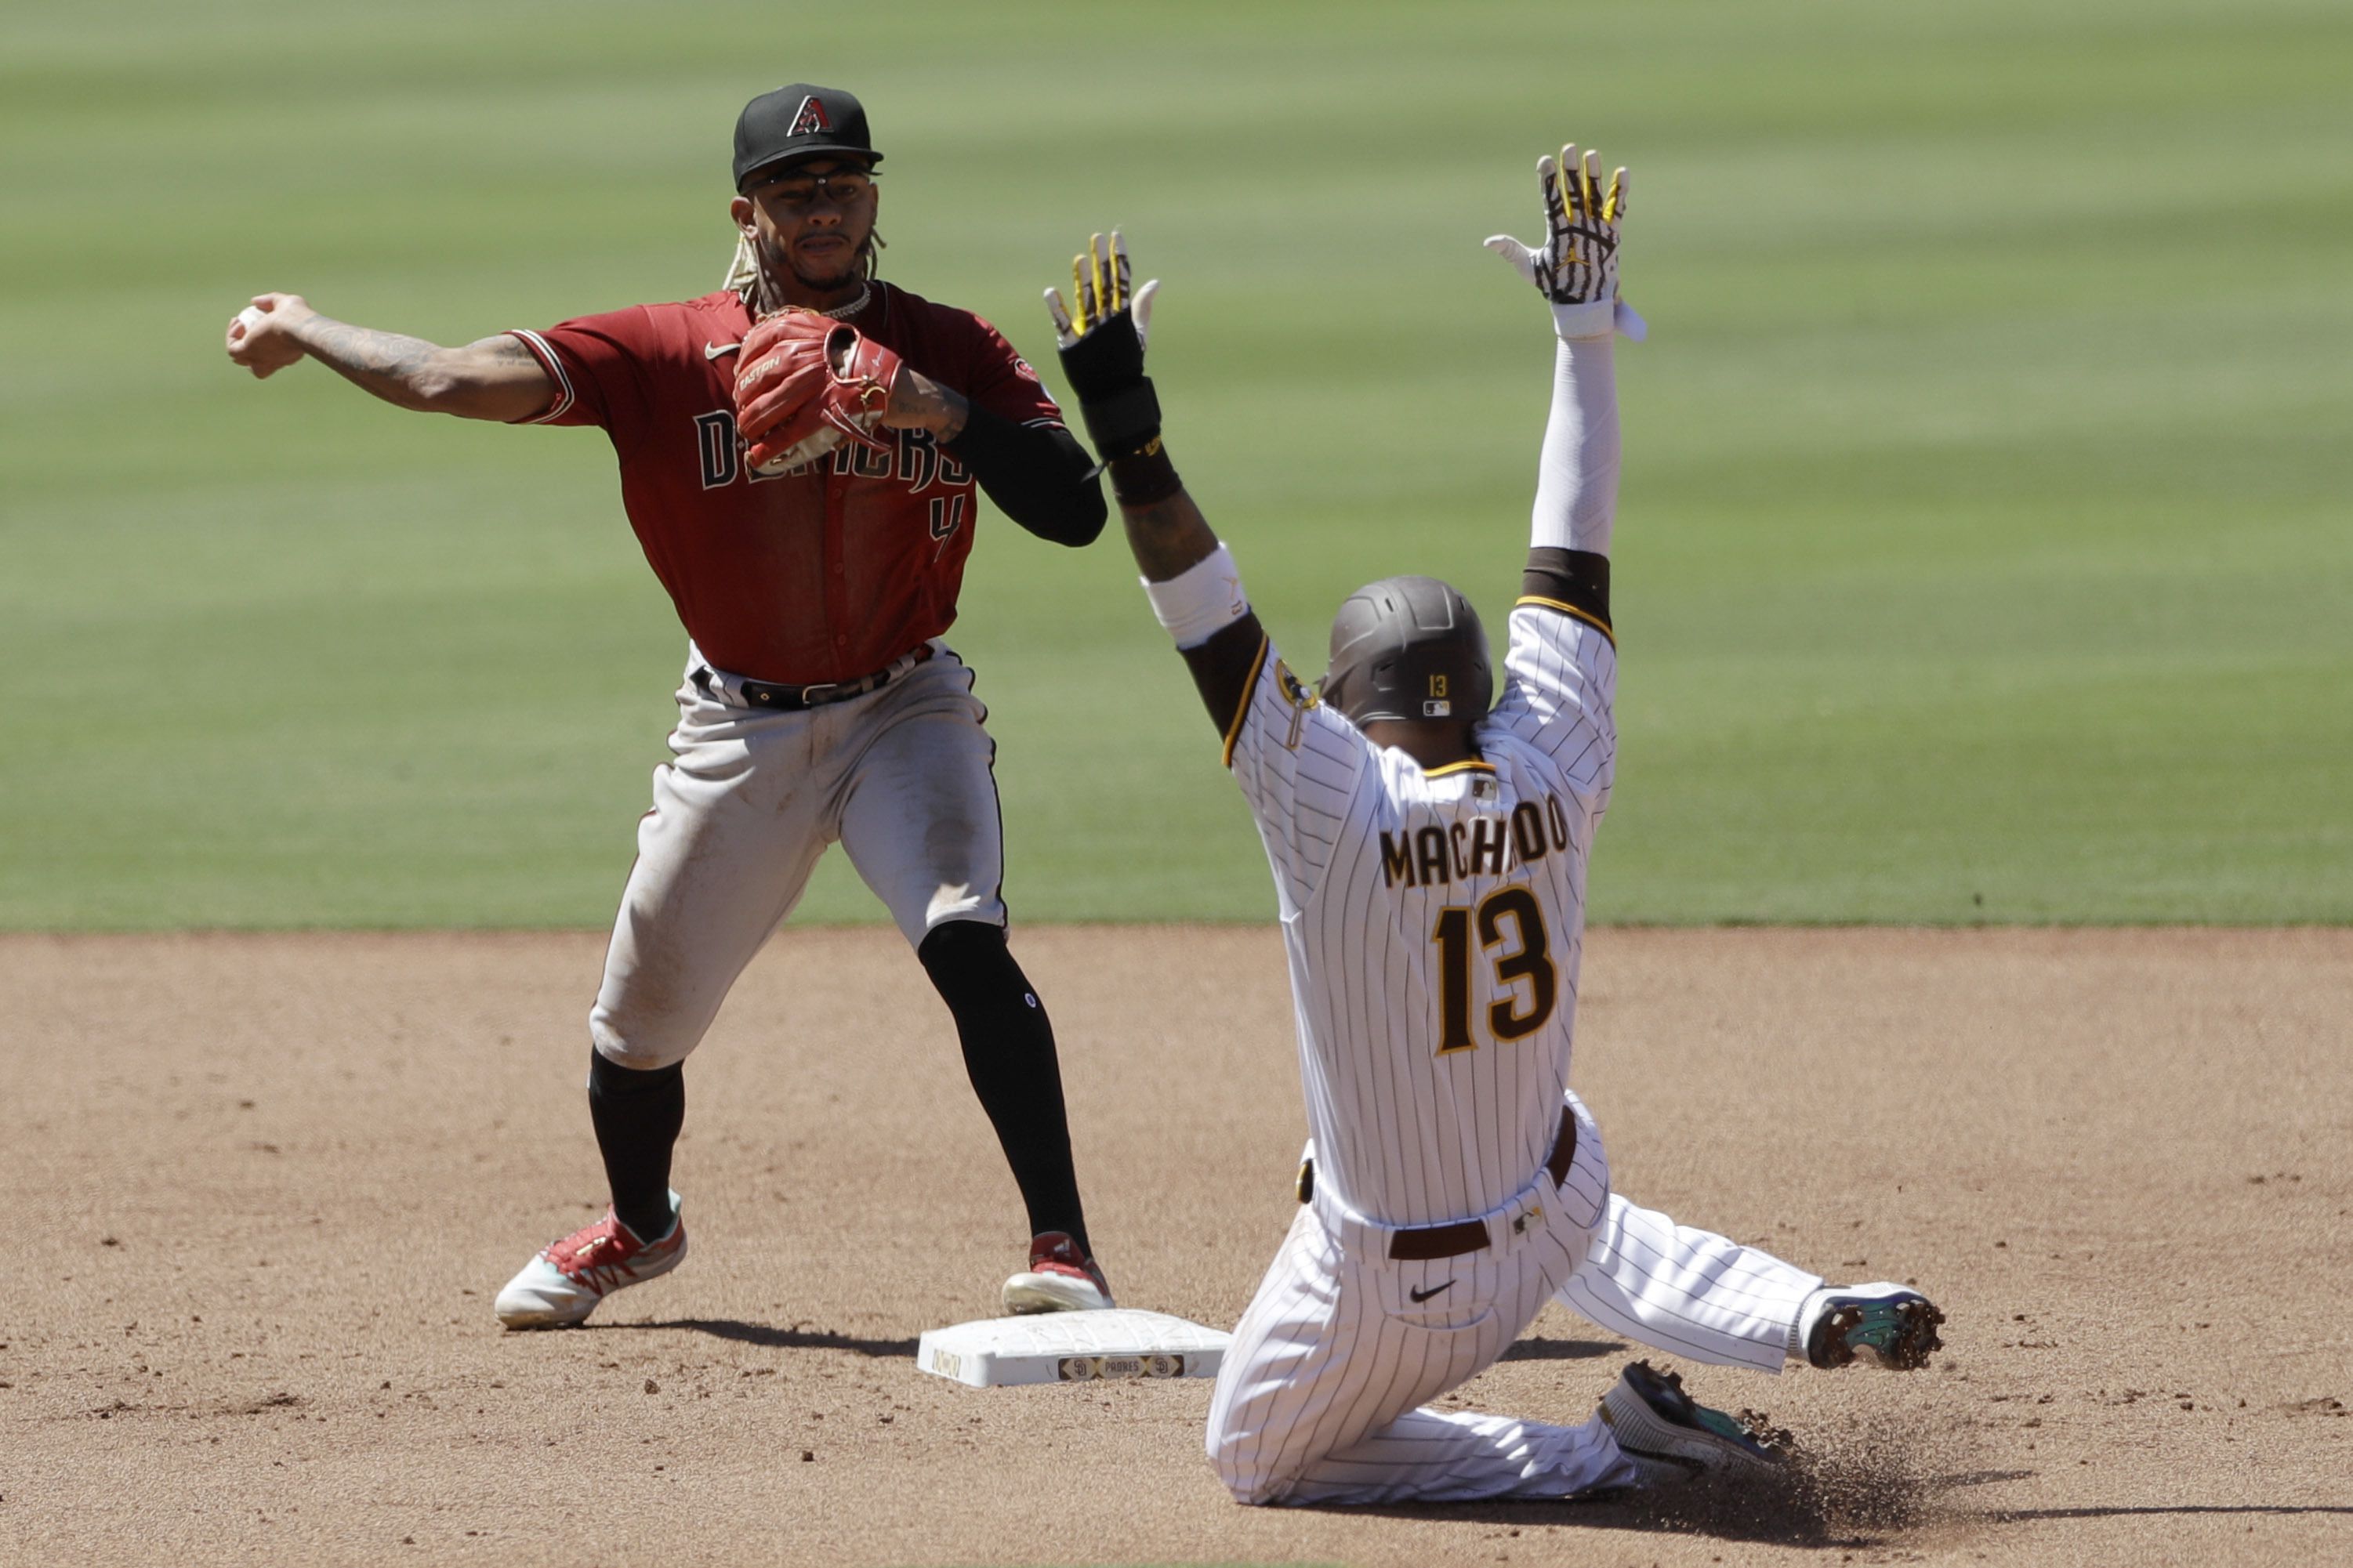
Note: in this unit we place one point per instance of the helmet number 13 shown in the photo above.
(1509, 920)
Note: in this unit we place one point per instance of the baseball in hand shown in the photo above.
(249, 317)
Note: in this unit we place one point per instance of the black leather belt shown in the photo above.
(1424, 1243)
(794, 698)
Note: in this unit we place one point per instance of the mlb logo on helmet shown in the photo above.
(796, 121)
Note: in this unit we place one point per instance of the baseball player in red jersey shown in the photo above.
(819, 702)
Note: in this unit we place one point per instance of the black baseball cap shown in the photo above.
(799, 121)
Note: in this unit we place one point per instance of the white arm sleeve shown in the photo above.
(1576, 477)
(1561, 674)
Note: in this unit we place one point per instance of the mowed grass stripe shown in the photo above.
(1982, 553)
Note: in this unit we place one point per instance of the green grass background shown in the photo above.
(1984, 552)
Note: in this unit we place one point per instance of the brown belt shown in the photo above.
(1425, 1243)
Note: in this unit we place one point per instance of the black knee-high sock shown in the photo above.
(1008, 1050)
(637, 1115)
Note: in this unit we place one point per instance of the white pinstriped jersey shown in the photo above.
(1434, 921)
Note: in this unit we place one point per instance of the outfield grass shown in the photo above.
(1984, 552)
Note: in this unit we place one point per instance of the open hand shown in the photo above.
(1576, 266)
(1100, 279)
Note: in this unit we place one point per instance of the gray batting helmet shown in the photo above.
(1408, 648)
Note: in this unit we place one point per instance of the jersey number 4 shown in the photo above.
(1525, 957)
(947, 517)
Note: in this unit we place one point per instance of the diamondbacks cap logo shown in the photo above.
(811, 118)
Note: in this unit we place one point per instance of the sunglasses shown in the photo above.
(796, 193)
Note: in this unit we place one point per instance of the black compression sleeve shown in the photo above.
(1009, 1052)
(1576, 579)
(1037, 475)
(636, 1114)
(1224, 666)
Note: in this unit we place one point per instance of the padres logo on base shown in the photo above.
(1087, 1368)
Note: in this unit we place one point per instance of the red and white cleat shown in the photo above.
(1061, 1279)
(564, 1284)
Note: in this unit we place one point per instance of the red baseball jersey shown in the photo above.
(824, 573)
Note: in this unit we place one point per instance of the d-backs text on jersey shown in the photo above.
(918, 462)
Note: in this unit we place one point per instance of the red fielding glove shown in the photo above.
(805, 382)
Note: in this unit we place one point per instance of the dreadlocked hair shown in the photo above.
(743, 278)
(744, 272)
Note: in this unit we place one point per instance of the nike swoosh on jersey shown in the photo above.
(713, 350)
(1419, 1297)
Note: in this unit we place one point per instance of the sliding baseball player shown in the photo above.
(1429, 858)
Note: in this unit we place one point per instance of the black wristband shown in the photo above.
(1145, 478)
(1123, 423)
(1115, 398)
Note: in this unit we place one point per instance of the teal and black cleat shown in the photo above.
(1886, 1325)
(1670, 1436)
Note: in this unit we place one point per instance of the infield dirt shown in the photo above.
(264, 1187)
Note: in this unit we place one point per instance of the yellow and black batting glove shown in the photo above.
(1102, 350)
(1578, 263)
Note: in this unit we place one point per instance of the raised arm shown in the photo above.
(494, 378)
(1194, 587)
(1576, 270)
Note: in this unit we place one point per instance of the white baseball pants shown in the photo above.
(901, 777)
(1691, 1293)
(1321, 1393)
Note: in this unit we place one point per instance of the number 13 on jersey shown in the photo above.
(1512, 937)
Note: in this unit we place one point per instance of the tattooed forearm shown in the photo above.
(918, 401)
(495, 378)
(1167, 536)
(396, 368)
